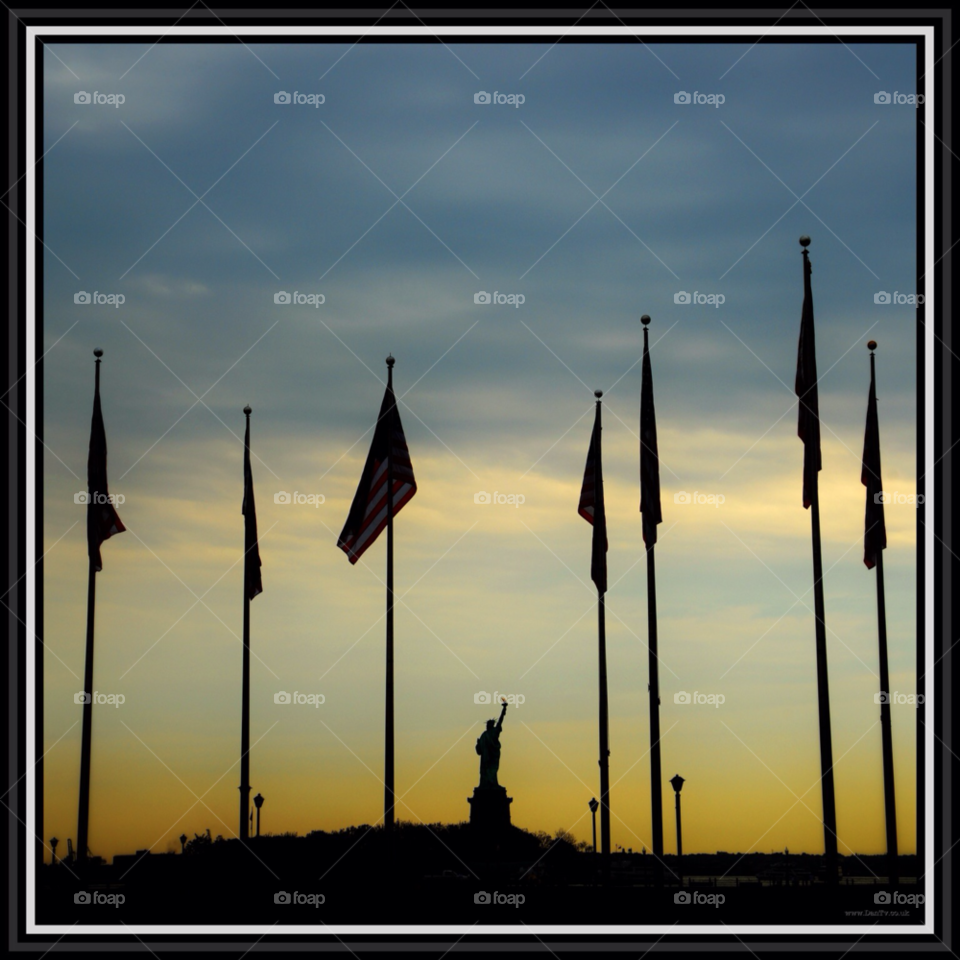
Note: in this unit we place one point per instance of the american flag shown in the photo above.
(808, 424)
(592, 510)
(875, 530)
(253, 581)
(649, 453)
(102, 519)
(368, 514)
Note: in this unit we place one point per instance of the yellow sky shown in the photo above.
(493, 598)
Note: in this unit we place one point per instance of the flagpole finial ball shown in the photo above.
(872, 345)
(598, 393)
(98, 353)
(804, 241)
(248, 409)
(645, 319)
(390, 360)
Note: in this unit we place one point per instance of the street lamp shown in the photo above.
(258, 802)
(53, 846)
(594, 805)
(183, 843)
(677, 784)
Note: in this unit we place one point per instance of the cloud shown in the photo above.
(493, 398)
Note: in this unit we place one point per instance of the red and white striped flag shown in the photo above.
(874, 528)
(253, 579)
(368, 514)
(650, 509)
(805, 386)
(592, 510)
(103, 521)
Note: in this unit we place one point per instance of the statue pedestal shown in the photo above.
(490, 808)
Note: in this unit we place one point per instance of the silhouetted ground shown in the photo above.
(448, 874)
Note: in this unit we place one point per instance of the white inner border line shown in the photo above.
(33, 32)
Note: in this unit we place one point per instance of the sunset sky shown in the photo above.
(494, 398)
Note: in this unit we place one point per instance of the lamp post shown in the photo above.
(594, 805)
(258, 803)
(677, 784)
(183, 843)
(53, 846)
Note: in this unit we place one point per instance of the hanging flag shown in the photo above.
(875, 530)
(808, 424)
(102, 519)
(649, 453)
(251, 567)
(592, 510)
(368, 514)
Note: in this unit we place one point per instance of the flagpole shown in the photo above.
(604, 732)
(245, 709)
(388, 791)
(823, 697)
(86, 737)
(886, 729)
(604, 711)
(823, 689)
(656, 797)
(387, 476)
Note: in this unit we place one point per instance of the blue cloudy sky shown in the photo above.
(598, 199)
